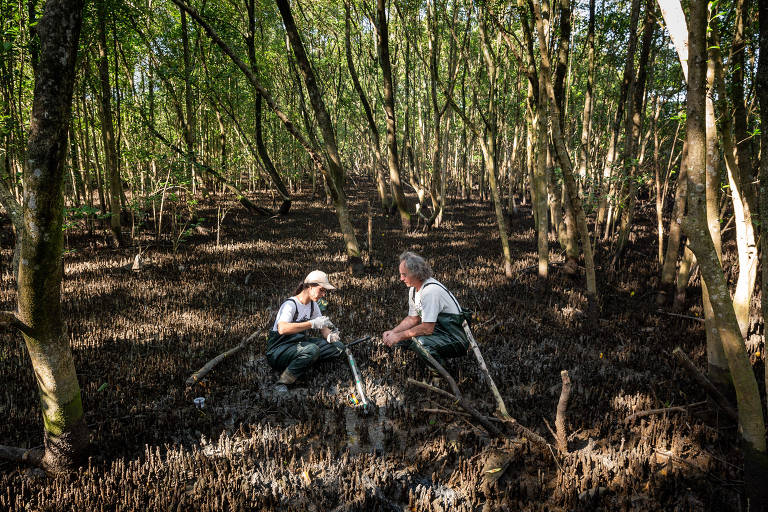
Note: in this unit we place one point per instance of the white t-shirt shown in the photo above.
(430, 301)
(288, 311)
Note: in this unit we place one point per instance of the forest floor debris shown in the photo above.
(143, 333)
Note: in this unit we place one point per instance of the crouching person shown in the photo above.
(290, 349)
(434, 315)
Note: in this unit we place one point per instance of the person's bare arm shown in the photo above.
(293, 327)
(409, 327)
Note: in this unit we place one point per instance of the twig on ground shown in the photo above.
(650, 412)
(710, 388)
(687, 317)
(202, 372)
(456, 413)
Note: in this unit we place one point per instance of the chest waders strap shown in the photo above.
(413, 294)
(296, 313)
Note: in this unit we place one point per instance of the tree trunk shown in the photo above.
(742, 206)
(695, 225)
(762, 95)
(107, 128)
(378, 170)
(335, 176)
(382, 32)
(616, 130)
(565, 160)
(675, 231)
(40, 272)
(634, 127)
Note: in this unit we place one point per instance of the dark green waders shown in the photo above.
(448, 339)
(294, 354)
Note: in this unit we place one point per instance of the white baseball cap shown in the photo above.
(320, 278)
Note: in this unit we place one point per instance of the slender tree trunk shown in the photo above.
(40, 273)
(742, 206)
(488, 144)
(629, 72)
(189, 120)
(373, 131)
(107, 128)
(335, 175)
(634, 127)
(565, 160)
(382, 31)
(695, 225)
(675, 231)
(586, 120)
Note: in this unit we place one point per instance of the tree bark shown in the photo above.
(40, 272)
(335, 175)
(629, 70)
(382, 33)
(107, 128)
(695, 226)
(373, 131)
(565, 160)
(634, 127)
(762, 95)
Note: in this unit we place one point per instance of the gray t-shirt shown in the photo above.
(430, 301)
(287, 312)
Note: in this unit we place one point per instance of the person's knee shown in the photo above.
(310, 351)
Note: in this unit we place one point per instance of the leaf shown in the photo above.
(102, 387)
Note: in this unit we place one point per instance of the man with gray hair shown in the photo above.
(434, 315)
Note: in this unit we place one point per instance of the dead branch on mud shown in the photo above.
(663, 410)
(501, 408)
(710, 388)
(516, 427)
(202, 372)
(32, 456)
(687, 317)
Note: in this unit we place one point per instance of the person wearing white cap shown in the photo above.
(290, 349)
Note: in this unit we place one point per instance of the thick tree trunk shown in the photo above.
(40, 272)
(382, 32)
(107, 128)
(762, 96)
(695, 225)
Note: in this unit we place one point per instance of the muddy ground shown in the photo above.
(138, 335)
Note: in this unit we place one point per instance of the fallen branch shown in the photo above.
(687, 317)
(562, 406)
(202, 372)
(33, 456)
(456, 413)
(463, 402)
(8, 319)
(500, 407)
(650, 412)
(710, 388)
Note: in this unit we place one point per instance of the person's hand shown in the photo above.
(320, 322)
(334, 337)
(389, 338)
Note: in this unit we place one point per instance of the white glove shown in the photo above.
(334, 337)
(320, 322)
